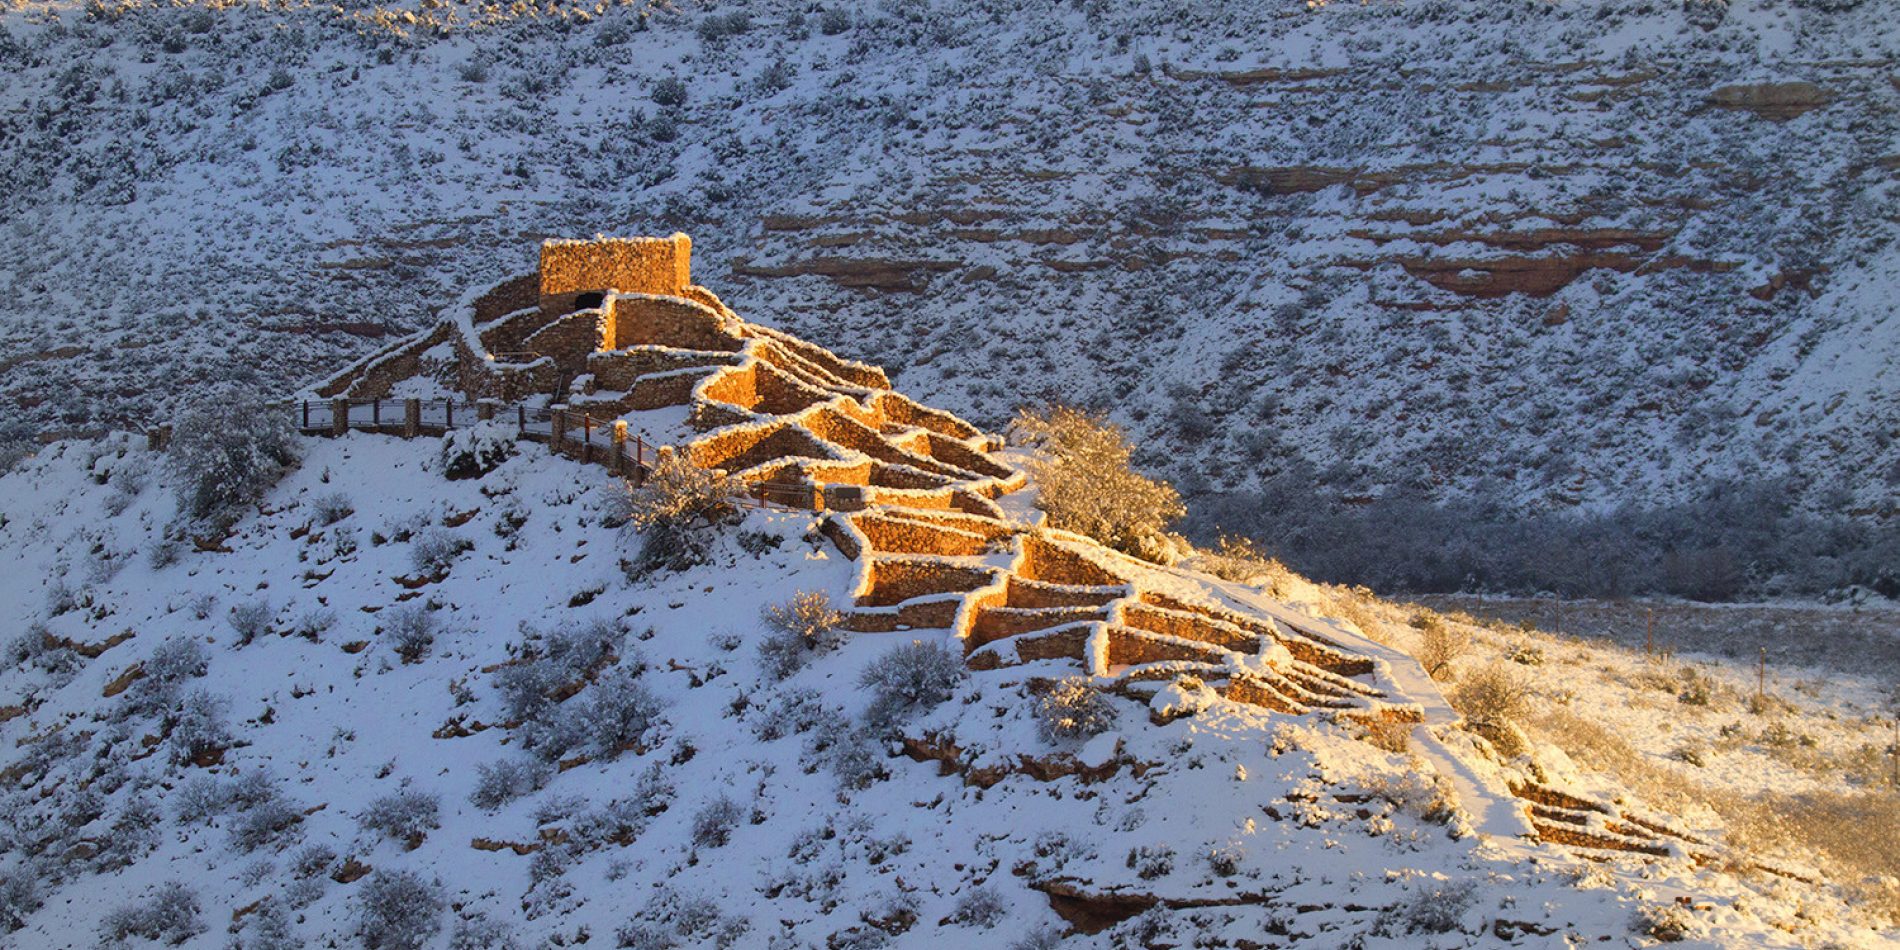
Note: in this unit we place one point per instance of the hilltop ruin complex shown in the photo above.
(613, 330)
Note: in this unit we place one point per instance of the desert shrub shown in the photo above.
(1492, 699)
(502, 781)
(909, 679)
(226, 452)
(557, 663)
(200, 799)
(38, 648)
(833, 21)
(1225, 859)
(798, 629)
(434, 551)
(1664, 923)
(1072, 708)
(166, 670)
(312, 860)
(482, 932)
(715, 27)
(1440, 644)
(1087, 482)
(398, 910)
(406, 816)
(669, 92)
(332, 508)
(198, 727)
(1149, 863)
(856, 761)
(265, 825)
(795, 712)
(313, 623)
(713, 824)
(1438, 907)
(266, 928)
(477, 450)
(20, 897)
(411, 629)
(673, 510)
(250, 620)
(616, 714)
(1698, 688)
(671, 919)
(979, 907)
(170, 915)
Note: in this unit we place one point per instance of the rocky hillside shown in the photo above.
(1327, 258)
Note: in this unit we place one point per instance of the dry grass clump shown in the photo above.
(1241, 560)
(1854, 835)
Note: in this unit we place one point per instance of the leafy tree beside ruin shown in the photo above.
(1087, 483)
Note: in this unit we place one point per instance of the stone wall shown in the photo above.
(630, 265)
(644, 319)
(569, 340)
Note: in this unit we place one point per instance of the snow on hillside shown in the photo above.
(1544, 257)
(319, 783)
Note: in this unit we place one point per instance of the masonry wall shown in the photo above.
(629, 265)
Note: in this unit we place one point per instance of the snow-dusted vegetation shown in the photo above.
(1621, 266)
(581, 754)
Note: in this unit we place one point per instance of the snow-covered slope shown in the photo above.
(1543, 255)
(293, 782)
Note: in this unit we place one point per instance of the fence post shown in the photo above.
(306, 412)
(339, 416)
(618, 463)
(521, 420)
(375, 414)
(411, 418)
(557, 427)
(155, 439)
(448, 413)
(587, 437)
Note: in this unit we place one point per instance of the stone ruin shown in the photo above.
(614, 330)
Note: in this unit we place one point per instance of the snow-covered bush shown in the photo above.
(482, 932)
(833, 21)
(19, 897)
(398, 910)
(165, 672)
(434, 550)
(1492, 699)
(1149, 862)
(799, 628)
(170, 915)
(332, 508)
(671, 919)
(312, 860)
(795, 712)
(313, 623)
(673, 510)
(1041, 938)
(226, 452)
(616, 714)
(251, 620)
(980, 907)
(558, 663)
(265, 825)
(857, 761)
(1087, 482)
(40, 649)
(909, 679)
(411, 628)
(713, 824)
(669, 92)
(198, 727)
(266, 928)
(1073, 708)
(407, 816)
(504, 780)
(1225, 859)
(478, 449)
(1438, 907)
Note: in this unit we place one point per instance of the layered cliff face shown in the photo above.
(1550, 257)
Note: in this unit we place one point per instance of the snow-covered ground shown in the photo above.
(739, 809)
(1273, 238)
